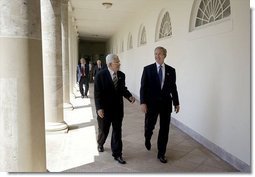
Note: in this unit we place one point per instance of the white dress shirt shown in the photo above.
(111, 72)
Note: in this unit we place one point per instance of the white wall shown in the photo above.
(212, 65)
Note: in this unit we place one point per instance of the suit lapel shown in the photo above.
(167, 75)
(109, 78)
(168, 71)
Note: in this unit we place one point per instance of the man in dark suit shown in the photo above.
(157, 94)
(109, 89)
(99, 66)
(82, 72)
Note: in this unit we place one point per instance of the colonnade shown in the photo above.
(38, 56)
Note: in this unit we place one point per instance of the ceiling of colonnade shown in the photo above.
(95, 22)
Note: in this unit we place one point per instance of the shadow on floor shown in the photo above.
(76, 151)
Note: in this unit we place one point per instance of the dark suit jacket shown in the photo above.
(96, 69)
(78, 71)
(107, 97)
(151, 92)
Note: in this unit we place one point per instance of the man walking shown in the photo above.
(109, 89)
(157, 94)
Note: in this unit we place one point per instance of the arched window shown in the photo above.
(164, 27)
(130, 41)
(209, 11)
(142, 36)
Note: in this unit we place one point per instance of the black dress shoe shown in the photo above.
(148, 144)
(100, 149)
(120, 160)
(162, 159)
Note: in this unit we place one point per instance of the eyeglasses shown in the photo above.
(118, 63)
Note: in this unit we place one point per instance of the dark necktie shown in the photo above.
(160, 75)
(115, 80)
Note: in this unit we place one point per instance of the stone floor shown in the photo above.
(76, 151)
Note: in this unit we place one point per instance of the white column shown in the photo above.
(22, 128)
(65, 53)
(72, 53)
(76, 53)
(52, 65)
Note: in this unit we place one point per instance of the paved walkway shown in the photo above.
(76, 151)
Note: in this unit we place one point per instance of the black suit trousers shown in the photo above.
(164, 123)
(84, 81)
(103, 131)
(81, 83)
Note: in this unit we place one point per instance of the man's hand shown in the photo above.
(144, 108)
(132, 99)
(100, 113)
(177, 108)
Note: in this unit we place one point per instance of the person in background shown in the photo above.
(98, 67)
(82, 72)
(158, 92)
(109, 89)
(89, 66)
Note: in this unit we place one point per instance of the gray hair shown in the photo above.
(110, 58)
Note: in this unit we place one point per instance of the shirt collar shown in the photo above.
(111, 71)
(163, 65)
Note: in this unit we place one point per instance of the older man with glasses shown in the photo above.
(109, 89)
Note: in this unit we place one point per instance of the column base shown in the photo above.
(56, 127)
(68, 106)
